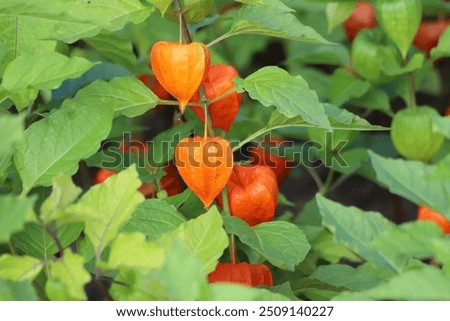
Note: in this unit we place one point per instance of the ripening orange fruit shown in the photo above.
(219, 80)
(362, 17)
(205, 165)
(252, 194)
(428, 34)
(151, 82)
(426, 214)
(241, 273)
(180, 68)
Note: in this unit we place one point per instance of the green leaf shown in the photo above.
(154, 217)
(325, 54)
(344, 276)
(338, 118)
(232, 292)
(203, 236)
(114, 48)
(125, 95)
(441, 125)
(434, 285)
(412, 239)
(344, 86)
(19, 268)
(106, 207)
(64, 193)
(182, 276)
(271, 22)
(283, 244)
(374, 99)
(13, 214)
(337, 13)
(162, 5)
(400, 19)
(74, 132)
(30, 26)
(67, 278)
(394, 67)
(268, 4)
(443, 47)
(11, 131)
(133, 251)
(273, 86)
(327, 249)
(46, 70)
(34, 240)
(17, 291)
(427, 185)
(356, 229)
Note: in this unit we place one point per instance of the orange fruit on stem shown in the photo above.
(241, 273)
(252, 194)
(428, 34)
(278, 164)
(205, 165)
(426, 214)
(362, 17)
(219, 80)
(179, 68)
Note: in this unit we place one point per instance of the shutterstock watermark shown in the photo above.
(211, 153)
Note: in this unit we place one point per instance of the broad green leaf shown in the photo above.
(325, 54)
(67, 278)
(13, 214)
(203, 236)
(162, 5)
(273, 86)
(30, 26)
(17, 291)
(374, 99)
(74, 132)
(46, 70)
(345, 86)
(136, 285)
(327, 249)
(441, 125)
(443, 47)
(268, 4)
(154, 217)
(64, 193)
(394, 67)
(11, 131)
(412, 239)
(422, 184)
(356, 229)
(343, 277)
(19, 268)
(400, 19)
(423, 284)
(338, 118)
(232, 292)
(182, 276)
(114, 48)
(271, 22)
(338, 12)
(106, 207)
(283, 244)
(125, 95)
(133, 251)
(35, 241)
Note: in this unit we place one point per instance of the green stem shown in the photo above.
(327, 184)
(219, 39)
(183, 25)
(227, 212)
(225, 94)
(412, 91)
(252, 137)
(315, 177)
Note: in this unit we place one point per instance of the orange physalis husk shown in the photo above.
(426, 214)
(219, 80)
(151, 82)
(205, 165)
(252, 194)
(241, 273)
(179, 68)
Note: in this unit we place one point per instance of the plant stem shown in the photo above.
(412, 91)
(315, 177)
(52, 231)
(217, 40)
(183, 25)
(227, 212)
(328, 181)
(225, 94)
